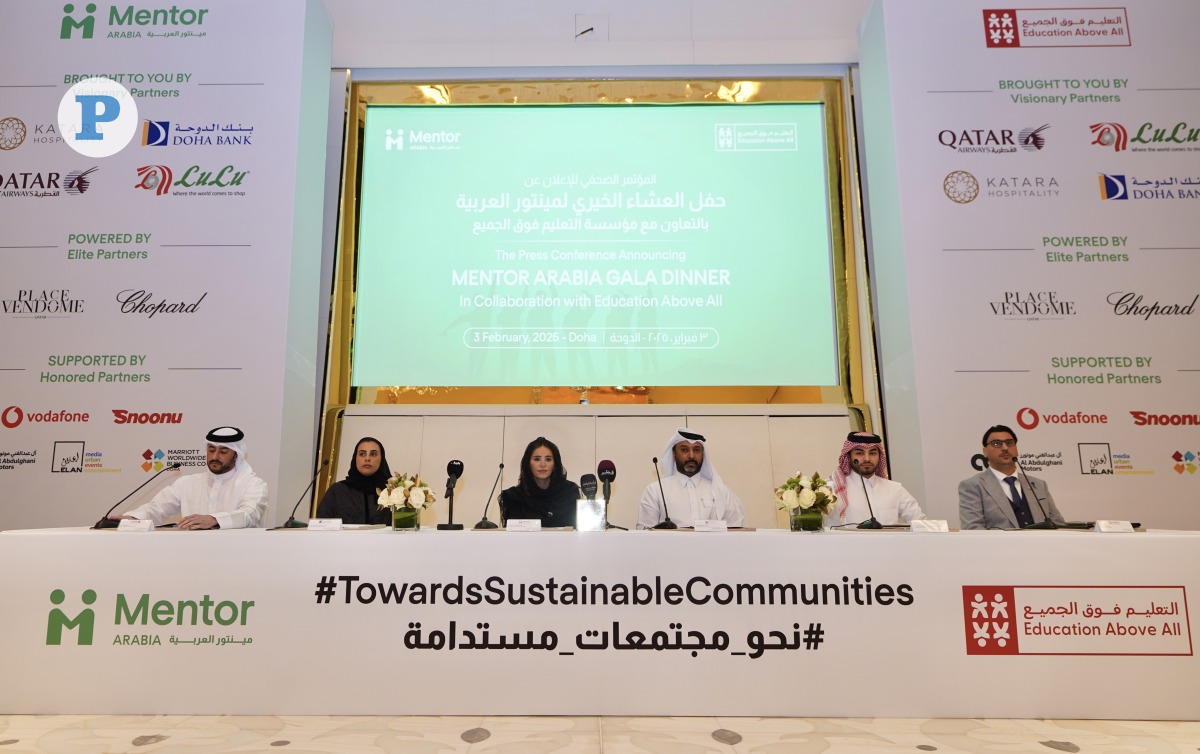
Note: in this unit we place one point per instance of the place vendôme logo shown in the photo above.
(31, 303)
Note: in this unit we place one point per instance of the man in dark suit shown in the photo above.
(999, 497)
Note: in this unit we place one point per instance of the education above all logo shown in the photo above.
(1012, 28)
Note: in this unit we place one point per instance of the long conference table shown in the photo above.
(771, 623)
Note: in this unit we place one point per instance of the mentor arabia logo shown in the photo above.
(1028, 418)
(127, 15)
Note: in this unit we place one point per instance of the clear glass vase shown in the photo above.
(805, 520)
(406, 519)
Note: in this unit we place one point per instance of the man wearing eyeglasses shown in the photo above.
(1001, 496)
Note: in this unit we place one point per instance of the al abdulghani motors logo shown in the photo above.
(961, 187)
(97, 117)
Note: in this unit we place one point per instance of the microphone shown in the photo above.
(454, 470)
(1045, 523)
(872, 522)
(292, 523)
(483, 522)
(607, 471)
(587, 483)
(666, 523)
(107, 523)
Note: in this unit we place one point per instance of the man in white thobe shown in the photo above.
(693, 488)
(861, 476)
(229, 495)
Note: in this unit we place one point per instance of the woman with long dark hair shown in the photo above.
(543, 490)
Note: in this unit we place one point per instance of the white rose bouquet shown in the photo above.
(404, 491)
(805, 493)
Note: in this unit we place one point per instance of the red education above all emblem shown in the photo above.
(1076, 620)
(1056, 27)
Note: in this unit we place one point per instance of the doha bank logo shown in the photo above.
(83, 623)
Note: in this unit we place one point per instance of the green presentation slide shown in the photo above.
(595, 245)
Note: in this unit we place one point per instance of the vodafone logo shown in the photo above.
(1029, 418)
(12, 416)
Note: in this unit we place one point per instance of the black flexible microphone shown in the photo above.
(872, 522)
(483, 522)
(1045, 523)
(667, 523)
(587, 483)
(454, 470)
(292, 523)
(109, 523)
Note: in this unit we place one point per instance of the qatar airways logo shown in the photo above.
(1029, 418)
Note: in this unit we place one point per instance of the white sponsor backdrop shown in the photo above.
(319, 637)
(1018, 300)
(233, 256)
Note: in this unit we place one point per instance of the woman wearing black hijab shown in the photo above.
(355, 499)
(543, 490)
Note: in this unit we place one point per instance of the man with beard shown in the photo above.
(229, 495)
(862, 487)
(997, 497)
(693, 488)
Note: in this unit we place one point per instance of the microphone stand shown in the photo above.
(1045, 523)
(292, 523)
(872, 522)
(666, 523)
(450, 525)
(609, 524)
(107, 523)
(484, 524)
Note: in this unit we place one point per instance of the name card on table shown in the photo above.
(1114, 527)
(707, 524)
(133, 524)
(930, 525)
(523, 524)
(325, 524)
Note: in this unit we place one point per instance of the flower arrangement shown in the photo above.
(808, 493)
(404, 491)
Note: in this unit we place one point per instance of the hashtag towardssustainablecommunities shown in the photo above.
(698, 590)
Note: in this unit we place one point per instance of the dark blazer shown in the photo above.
(983, 502)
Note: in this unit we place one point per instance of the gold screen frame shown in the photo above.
(829, 92)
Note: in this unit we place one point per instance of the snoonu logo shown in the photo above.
(57, 619)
